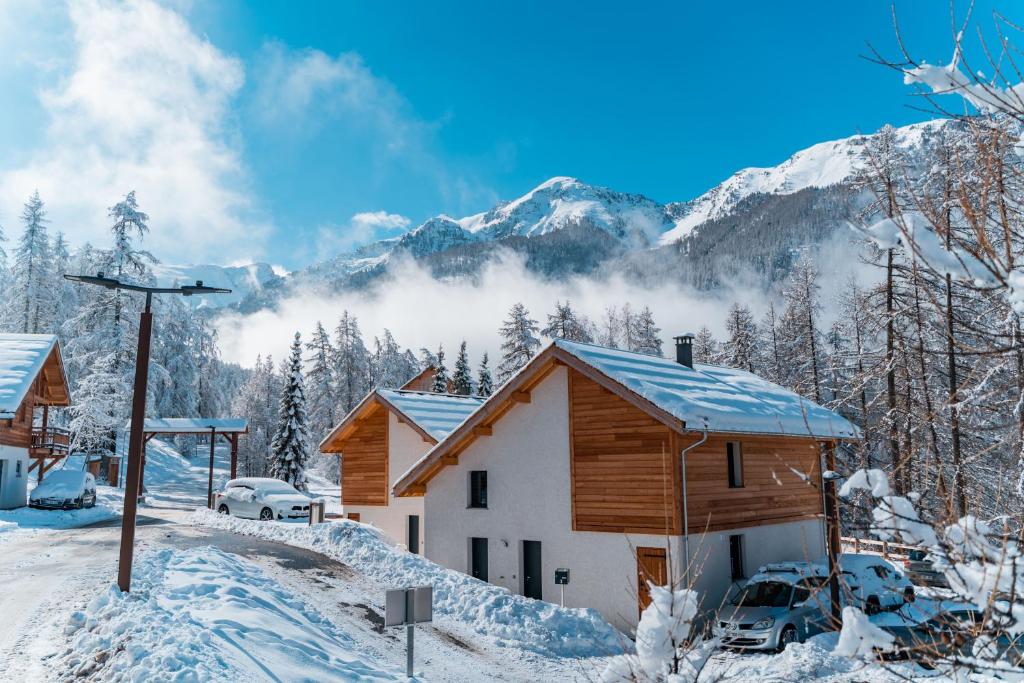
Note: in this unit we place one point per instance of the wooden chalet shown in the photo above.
(608, 463)
(32, 380)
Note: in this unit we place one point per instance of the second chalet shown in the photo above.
(594, 470)
(380, 439)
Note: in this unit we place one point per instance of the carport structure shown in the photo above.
(230, 428)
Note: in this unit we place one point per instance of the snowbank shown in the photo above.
(108, 506)
(203, 614)
(491, 610)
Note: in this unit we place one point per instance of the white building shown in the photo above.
(31, 380)
(379, 440)
(578, 463)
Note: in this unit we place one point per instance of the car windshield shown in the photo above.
(763, 594)
(276, 487)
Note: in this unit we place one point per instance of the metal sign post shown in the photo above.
(562, 580)
(408, 607)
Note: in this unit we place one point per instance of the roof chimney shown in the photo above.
(684, 349)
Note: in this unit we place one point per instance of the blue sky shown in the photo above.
(289, 131)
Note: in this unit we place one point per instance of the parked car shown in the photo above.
(947, 634)
(65, 490)
(788, 602)
(772, 611)
(922, 572)
(870, 582)
(262, 498)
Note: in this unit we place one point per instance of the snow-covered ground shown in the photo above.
(219, 598)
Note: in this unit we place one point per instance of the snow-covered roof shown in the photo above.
(22, 357)
(193, 425)
(725, 399)
(436, 414)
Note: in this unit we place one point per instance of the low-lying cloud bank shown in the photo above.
(422, 311)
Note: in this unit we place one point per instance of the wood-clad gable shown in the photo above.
(364, 460)
(624, 468)
(49, 388)
(781, 482)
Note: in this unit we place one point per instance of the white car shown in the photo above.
(868, 581)
(64, 490)
(263, 499)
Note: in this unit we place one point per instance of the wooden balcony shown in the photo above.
(52, 442)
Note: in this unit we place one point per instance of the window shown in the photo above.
(881, 572)
(478, 489)
(735, 457)
(17, 469)
(354, 516)
(801, 594)
(736, 557)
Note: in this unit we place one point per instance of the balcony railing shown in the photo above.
(55, 439)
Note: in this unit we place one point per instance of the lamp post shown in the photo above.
(131, 484)
(209, 484)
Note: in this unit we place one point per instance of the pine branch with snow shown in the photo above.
(484, 383)
(519, 341)
(462, 380)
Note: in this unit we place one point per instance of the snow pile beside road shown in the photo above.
(31, 518)
(203, 614)
(491, 610)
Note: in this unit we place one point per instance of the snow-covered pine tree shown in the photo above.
(99, 407)
(519, 335)
(706, 347)
(484, 383)
(351, 363)
(741, 347)
(65, 301)
(565, 323)
(798, 329)
(320, 380)
(30, 301)
(427, 359)
(290, 447)
(462, 380)
(609, 332)
(628, 322)
(644, 335)
(441, 379)
(255, 401)
(771, 356)
(391, 366)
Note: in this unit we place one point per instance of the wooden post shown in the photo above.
(209, 485)
(234, 456)
(46, 420)
(134, 475)
(833, 535)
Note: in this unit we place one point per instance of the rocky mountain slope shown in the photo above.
(752, 222)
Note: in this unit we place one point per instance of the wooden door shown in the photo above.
(651, 566)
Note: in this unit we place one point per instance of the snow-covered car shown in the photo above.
(262, 498)
(788, 602)
(771, 611)
(65, 490)
(870, 582)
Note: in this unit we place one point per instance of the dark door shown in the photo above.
(651, 566)
(414, 534)
(478, 551)
(532, 570)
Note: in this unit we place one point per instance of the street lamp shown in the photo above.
(131, 485)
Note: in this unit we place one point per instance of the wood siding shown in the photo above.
(771, 493)
(624, 472)
(364, 461)
(18, 432)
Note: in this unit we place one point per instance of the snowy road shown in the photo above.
(49, 573)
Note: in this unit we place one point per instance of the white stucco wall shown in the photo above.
(405, 447)
(528, 491)
(13, 489)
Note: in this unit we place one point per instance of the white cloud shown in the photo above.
(362, 228)
(144, 107)
(422, 311)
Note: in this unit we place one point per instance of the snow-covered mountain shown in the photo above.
(755, 219)
(241, 280)
(822, 165)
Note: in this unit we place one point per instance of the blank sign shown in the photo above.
(397, 604)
